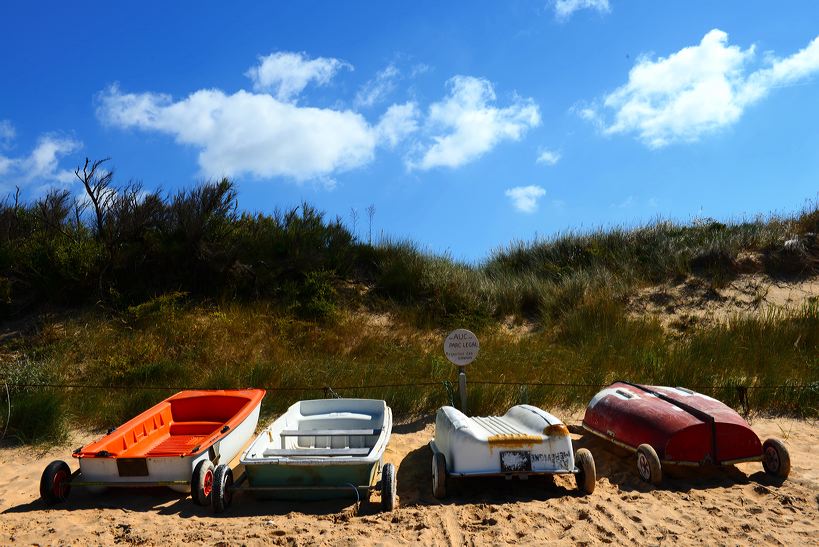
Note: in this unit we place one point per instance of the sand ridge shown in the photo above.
(734, 506)
(694, 301)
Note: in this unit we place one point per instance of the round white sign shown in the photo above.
(461, 347)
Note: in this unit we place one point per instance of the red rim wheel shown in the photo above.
(202, 483)
(59, 486)
(55, 483)
(207, 484)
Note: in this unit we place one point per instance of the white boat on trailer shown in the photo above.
(318, 449)
(176, 443)
(524, 442)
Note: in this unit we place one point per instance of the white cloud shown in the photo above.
(631, 202)
(696, 90)
(42, 165)
(783, 72)
(247, 133)
(5, 164)
(43, 162)
(268, 134)
(627, 203)
(525, 198)
(565, 8)
(419, 69)
(398, 122)
(467, 125)
(549, 157)
(286, 74)
(7, 133)
(377, 89)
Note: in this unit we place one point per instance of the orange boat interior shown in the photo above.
(184, 424)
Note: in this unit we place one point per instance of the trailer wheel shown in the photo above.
(439, 475)
(55, 483)
(586, 476)
(775, 458)
(202, 483)
(388, 493)
(222, 483)
(648, 464)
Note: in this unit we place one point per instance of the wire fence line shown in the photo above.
(328, 388)
(742, 391)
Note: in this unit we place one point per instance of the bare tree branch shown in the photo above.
(354, 218)
(370, 215)
(98, 189)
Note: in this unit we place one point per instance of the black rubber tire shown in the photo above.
(439, 475)
(648, 464)
(55, 483)
(775, 458)
(586, 476)
(222, 495)
(388, 488)
(202, 483)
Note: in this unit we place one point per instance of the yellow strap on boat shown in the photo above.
(514, 439)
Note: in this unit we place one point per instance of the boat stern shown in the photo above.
(525, 441)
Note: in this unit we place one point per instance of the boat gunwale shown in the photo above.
(687, 463)
(253, 396)
(373, 457)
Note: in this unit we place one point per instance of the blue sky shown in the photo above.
(466, 124)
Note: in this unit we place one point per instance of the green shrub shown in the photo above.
(37, 417)
(128, 404)
(317, 297)
(808, 220)
(161, 306)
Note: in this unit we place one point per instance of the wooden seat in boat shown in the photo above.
(328, 432)
(316, 452)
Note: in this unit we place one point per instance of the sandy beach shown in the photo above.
(734, 506)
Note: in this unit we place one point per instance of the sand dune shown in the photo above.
(737, 506)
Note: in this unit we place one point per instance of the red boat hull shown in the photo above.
(681, 425)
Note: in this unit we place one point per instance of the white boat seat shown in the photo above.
(328, 432)
(316, 452)
(336, 416)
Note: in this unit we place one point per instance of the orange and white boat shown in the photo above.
(175, 443)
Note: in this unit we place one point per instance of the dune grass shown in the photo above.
(240, 345)
(184, 291)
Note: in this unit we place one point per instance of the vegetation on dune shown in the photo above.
(123, 246)
(134, 289)
(177, 344)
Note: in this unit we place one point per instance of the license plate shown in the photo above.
(132, 467)
(515, 461)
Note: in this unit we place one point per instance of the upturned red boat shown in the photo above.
(674, 425)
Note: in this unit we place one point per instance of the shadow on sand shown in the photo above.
(619, 466)
(414, 479)
(164, 501)
(415, 485)
(414, 426)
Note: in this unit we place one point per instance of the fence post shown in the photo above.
(524, 394)
(742, 394)
(462, 389)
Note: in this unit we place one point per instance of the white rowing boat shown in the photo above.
(525, 441)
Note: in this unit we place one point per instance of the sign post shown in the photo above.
(461, 348)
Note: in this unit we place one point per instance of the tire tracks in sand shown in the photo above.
(725, 507)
